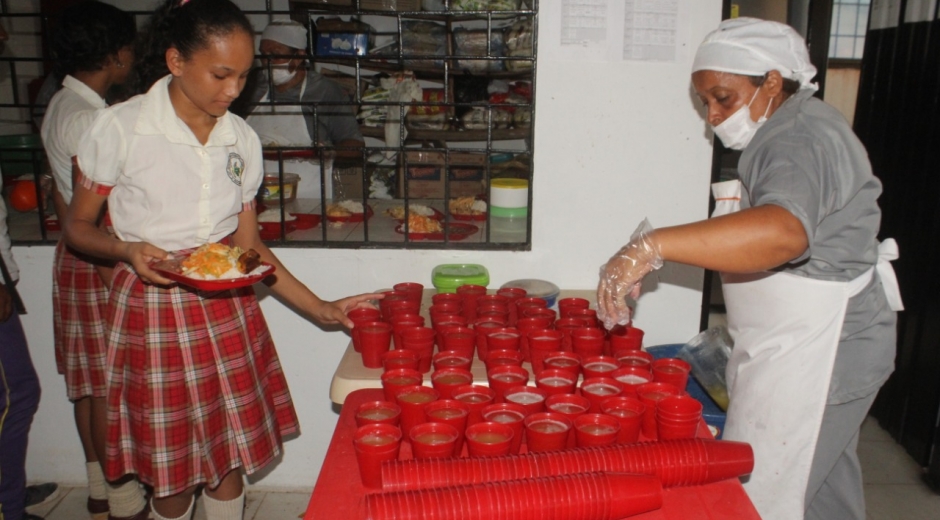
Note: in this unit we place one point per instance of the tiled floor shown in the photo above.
(893, 488)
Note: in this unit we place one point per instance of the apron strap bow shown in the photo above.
(888, 251)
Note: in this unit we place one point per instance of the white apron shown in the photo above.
(289, 128)
(786, 332)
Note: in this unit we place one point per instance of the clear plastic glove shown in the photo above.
(621, 276)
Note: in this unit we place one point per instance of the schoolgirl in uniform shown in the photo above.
(93, 50)
(196, 394)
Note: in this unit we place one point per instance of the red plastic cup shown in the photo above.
(476, 397)
(399, 307)
(446, 380)
(678, 417)
(420, 340)
(450, 412)
(451, 359)
(402, 321)
(458, 339)
(596, 429)
(504, 377)
(650, 394)
(433, 440)
(503, 357)
(539, 312)
(588, 317)
(513, 294)
(401, 358)
(625, 338)
(555, 381)
(637, 358)
(393, 381)
(414, 290)
(566, 305)
(482, 327)
(566, 325)
(378, 412)
(547, 431)
(397, 301)
(446, 298)
(542, 343)
(375, 444)
(599, 366)
(505, 338)
(569, 405)
(438, 310)
(375, 339)
(587, 342)
(629, 411)
(488, 439)
(510, 414)
(470, 294)
(673, 371)
(412, 401)
(359, 316)
(532, 399)
(561, 360)
(599, 389)
(631, 377)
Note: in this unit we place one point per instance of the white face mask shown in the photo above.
(738, 130)
(281, 74)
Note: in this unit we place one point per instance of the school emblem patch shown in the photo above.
(235, 168)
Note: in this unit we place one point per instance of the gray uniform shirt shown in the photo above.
(336, 122)
(806, 159)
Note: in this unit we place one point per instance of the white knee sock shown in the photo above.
(126, 499)
(224, 509)
(97, 485)
(186, 516)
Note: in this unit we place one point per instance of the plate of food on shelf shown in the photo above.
(348, 211)
(269, 223)
(398, 212)
(467, 208)
(420, 227)
(215, 267)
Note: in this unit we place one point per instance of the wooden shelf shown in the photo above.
(422, 134)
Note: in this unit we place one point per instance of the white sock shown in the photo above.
(224, 509)
(97, 485)
(186, 516)
(126, 499)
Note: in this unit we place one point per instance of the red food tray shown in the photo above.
(339, 488)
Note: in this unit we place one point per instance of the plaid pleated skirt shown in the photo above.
(79, 307)
(195, 388)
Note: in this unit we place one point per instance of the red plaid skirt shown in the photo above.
(195, 388)
(79, 307)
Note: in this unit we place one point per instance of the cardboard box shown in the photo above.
(342, 44)
(425, 173)
(347, 183)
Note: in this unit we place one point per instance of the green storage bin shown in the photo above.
(448, 277)
(17, 155)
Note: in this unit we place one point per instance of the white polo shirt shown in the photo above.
(71, 111)
(163, 186)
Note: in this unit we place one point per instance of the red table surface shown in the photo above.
(339, 489)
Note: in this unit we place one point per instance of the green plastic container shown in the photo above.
(448, 277)
(16, 155)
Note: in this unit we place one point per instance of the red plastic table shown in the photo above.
(339, 489)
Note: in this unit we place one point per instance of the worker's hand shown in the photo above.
(622, 274)
(6, 304)
(329, 313)
(140, 255)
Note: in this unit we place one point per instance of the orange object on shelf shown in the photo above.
(23, 196)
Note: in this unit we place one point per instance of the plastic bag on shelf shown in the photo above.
(519, 44)
(485, 5)
(708, 353)
(477, 117)
(473, 42)
(423, 38)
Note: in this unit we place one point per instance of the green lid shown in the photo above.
(448, 277)
(509, 212)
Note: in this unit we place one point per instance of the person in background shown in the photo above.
(196, 393)
(93, 50)
(283, 50)
(19, 387)
(810, 293)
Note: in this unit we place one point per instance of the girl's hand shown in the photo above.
(140, 255)
(329, 313)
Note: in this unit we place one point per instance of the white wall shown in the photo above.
(615, 142)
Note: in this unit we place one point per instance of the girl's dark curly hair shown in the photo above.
(88, 34)
(186, 25)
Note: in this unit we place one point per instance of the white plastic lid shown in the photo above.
(536, 288)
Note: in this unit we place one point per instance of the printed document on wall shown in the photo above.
(622, 30)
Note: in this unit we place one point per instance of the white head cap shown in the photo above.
(753, 47)
(287, 32)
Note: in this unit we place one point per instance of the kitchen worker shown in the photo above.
(810, 294)
(196, 396)
(94, 50)
(301, 124)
